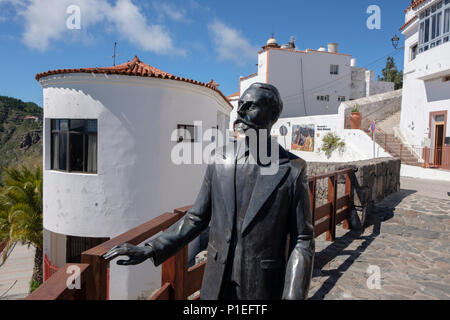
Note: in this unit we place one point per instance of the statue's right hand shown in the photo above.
(136, 254)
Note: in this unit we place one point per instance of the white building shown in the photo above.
(311, 82)
(426, 82)
(107, 157)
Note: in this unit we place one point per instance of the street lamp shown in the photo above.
(395, 41)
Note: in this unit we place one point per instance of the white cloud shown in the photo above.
(230, 44)
(45, 21)
(132, 25)
(170, 11)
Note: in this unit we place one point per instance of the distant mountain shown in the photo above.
(20, 132)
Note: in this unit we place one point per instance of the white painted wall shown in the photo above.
(424, 88)
(358, 145)
(285, 73)
(136, 179)
(374, 87)
(283, 69)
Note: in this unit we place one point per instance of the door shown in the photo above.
(438, 143)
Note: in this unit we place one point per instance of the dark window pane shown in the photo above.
(446, 20)
(55, 151)
(76, 152)
(433, 27)
(77, 125)
(64, 125)
(421, 36)
(91, 153)
(438, 24)
(55, 124)
(91, 125)
(62, 151)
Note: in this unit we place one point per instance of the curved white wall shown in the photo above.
(136, 179)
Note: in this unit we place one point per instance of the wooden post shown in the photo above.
(98, 290)
(401, 151)
(332, 182)
(348, 192)
(312, 199)
(174, 272)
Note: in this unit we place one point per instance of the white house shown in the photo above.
(311, 82)
(108, 138)
(426, 82)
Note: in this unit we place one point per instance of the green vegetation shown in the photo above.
(20, 138)
(355, 108)
(34, 285)
(332, 142)
(391, 74)
(21, 213)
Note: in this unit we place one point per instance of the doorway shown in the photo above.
(438, 143)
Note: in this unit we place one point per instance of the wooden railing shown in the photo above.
(177, 280)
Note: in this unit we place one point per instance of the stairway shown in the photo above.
(384, 136)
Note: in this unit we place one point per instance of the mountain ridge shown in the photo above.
(20, 133)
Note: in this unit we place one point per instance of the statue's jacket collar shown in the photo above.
(264, 187)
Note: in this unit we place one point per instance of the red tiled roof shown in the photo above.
(408, 23)
(414, 4)
(236, 94)
(137, 68)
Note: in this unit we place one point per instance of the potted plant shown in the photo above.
(355, 118)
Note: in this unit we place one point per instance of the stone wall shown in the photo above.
(373, 181)
(377, 107)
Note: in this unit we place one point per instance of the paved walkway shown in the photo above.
(408, 240)
(17, 272)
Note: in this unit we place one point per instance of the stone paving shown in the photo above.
(408, 239)
(16, 272)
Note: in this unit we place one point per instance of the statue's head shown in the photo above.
(259, 107)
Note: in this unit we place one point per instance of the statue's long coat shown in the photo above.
(278, 211)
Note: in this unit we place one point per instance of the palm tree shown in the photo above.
(21, 212)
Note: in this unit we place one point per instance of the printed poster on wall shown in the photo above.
(303, 137)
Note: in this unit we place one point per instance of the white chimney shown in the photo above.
(333, 47)
(353, 62)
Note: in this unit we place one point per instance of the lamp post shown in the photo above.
(395, 41)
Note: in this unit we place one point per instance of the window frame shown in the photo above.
(413, 53)
(334, 69)
(434, 26)
(84, 133)
(185, 127)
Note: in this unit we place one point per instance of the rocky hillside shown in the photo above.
(20, 132)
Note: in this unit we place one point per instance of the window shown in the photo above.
(74, 145)
(76, 245)
(434, 26)
(341, 98)
(186, 133)
(323, 98)
(334, 69)
(413, 52)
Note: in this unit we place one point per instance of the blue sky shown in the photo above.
(197, 39)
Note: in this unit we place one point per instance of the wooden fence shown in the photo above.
(178, 281)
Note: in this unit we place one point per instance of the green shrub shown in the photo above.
(355, 108)
(34, 285)
(332, 142)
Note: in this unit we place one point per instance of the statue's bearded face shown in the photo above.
(257, 109)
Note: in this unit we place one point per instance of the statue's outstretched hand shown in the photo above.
(136, 254)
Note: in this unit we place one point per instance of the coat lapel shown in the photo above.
(225, 167)
(264, 187)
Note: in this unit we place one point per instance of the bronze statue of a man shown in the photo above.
(261, 240)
